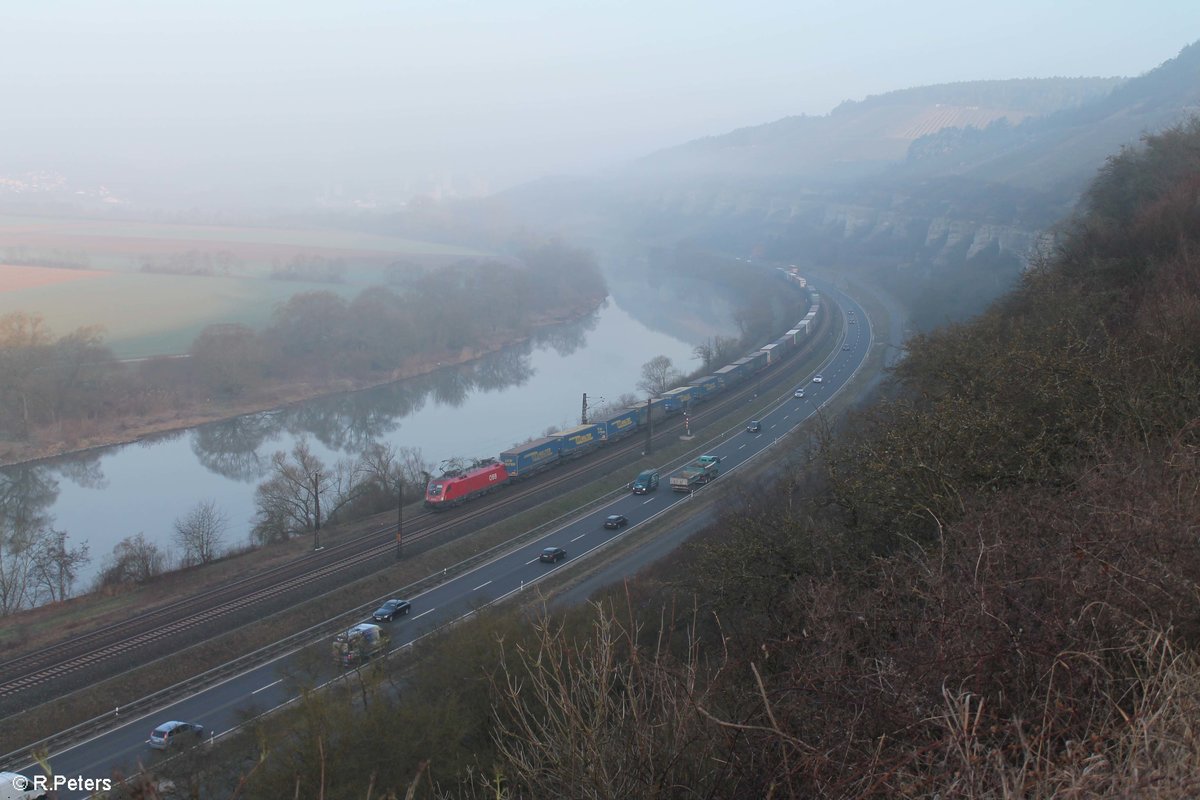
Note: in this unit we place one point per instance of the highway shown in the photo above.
(221, 708)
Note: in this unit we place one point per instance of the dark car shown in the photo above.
(552, 554)
(845, 347)
(755, 426)
(391, 609)
(175, 734)
(615, 521)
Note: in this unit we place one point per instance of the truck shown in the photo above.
(696, 474)
(358, 644)
(646, 481)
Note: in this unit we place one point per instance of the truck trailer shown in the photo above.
(358, 644)
(622, 423)
(576, 441)
(531, 457)
(696, 474)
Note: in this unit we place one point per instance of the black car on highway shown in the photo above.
(552, 554)
(615, 521)
(391, 609)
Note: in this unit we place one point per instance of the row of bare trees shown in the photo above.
(38, 563)
(54, 384)
(303, 493)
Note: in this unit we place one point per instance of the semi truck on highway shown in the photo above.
(358, 644)
(696, 474)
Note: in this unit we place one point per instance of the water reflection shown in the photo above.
(474, 409)
(231, 448)
(351, 422)
(26, 496)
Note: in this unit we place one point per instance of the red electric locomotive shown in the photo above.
(459, 486)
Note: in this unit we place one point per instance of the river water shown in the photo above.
(475, 410)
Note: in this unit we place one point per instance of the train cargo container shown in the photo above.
(684, 395)
(459, 486)
(622, 423)
(576, 441)
(772, 352)
(804, 326)
(531, 457)
(707, 386)
(756, 361)
(671, 403)
(730, 375)
(795, 335)
(658, 409)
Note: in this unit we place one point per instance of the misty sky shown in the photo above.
(375, 94)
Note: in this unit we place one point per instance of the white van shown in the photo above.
(15, 786)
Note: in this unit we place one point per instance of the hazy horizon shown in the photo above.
(379, 100)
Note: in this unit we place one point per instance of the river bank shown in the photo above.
(79, 436)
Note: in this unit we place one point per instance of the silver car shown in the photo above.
(175, 734)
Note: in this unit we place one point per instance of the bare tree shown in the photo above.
(134, 560)
(658, 375)
(604, 716)
(201, 532)
(16, 577)
(55, 567)
(303, 492)
(384, 465)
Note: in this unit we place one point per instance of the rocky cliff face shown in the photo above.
(751, 220)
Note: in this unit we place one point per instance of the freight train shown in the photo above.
(457, 486)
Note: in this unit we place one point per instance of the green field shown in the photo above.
(147, 314)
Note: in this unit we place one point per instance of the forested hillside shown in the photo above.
(984, 587)
(941, 193)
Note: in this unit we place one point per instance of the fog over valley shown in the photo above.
(297, 105)
(454, 400)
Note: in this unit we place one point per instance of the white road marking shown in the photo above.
(480, 586)
(256, 691)
(741, 446)
(423, 613)
(651, 500)
(580, 536)
(530, 562)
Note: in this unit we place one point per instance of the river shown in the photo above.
(474, 410)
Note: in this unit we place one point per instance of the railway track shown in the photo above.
(57, 662)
